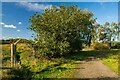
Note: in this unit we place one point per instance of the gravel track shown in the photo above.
(94, 69)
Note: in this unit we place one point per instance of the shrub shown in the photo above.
(35, 64)
(115, 45)
(26, 57)
(21, 73)
(100, 46)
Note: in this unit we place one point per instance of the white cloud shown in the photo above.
(7, 26)
(18, 30)
(35, 6)
(2, 23)
(3, 37)
(19, 22)
(18, 37)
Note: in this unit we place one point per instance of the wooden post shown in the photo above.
(12, 52)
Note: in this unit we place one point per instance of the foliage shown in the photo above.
(21, 73)
(107, 32)
(47, 68)
(100, 46)
(5, 54)
(115, 45)
(25, 58)
(23, 47)
(59, 30)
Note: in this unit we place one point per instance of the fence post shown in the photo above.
(12, 54)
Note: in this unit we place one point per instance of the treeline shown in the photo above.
(106, 32)
(9, 41)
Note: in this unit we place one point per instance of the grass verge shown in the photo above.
(111, 60)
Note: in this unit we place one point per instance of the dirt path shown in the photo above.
(94, 69)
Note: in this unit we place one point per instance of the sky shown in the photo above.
(15, 15)
(61, 0)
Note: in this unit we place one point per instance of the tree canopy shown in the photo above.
(60, 30)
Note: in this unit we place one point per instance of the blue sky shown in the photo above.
(62, 0)
(15, 15)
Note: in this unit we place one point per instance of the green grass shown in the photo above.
(56, 70)
(111, 60)
(64, 67)
(50, 68)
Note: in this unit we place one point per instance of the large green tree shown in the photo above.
(60, 30)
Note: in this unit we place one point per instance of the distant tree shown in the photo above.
(108, 31)
(118, 30)
(101, 33)
(115, 29)
(95, 32)
(60, 30)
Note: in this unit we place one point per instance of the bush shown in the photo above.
(26, 57)
(100, 46)
(115, 45)
(22, 73)
(35, 64)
